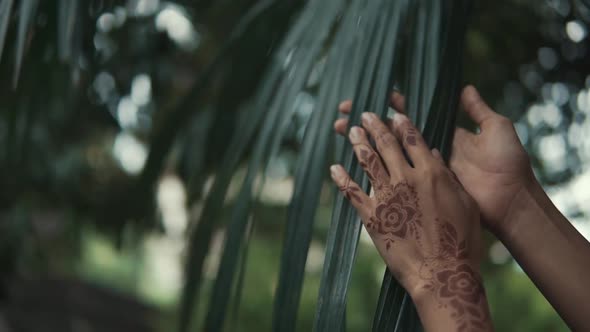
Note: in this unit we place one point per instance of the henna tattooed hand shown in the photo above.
(423, 223)
(492, 165)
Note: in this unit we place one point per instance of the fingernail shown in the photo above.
(354, 135)
(369, 117)
(334, 170)
(436, 153)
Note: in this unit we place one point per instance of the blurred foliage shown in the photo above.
(90, 89)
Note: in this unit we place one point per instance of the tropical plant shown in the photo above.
(350, 48)
(263, 86)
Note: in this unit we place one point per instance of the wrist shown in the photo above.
(452, 298)
(523, 202)
(460, 278)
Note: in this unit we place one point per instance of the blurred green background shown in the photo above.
(85, 245)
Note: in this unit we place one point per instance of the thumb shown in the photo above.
(475, 106)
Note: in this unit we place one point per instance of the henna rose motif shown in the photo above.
(394, 216)
(397, 212)
(462, 282)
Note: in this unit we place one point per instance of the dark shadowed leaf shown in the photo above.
(310, 168)
(68, 14)
(5, 10)
(438, 133)
(270, 136)
(26, 19)
(200, 238)
(374, 39)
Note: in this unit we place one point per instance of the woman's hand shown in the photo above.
(423, 223)
(492, 165)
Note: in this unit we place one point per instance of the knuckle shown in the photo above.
(363, 153)
(404, 124)
(475, 104)
(385, 139)
(433, 171)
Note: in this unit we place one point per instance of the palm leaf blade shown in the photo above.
(28, 10)
(438, 133)
(5, 10)
(381, 23)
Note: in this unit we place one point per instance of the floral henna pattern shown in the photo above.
(351, 192)
(455, 283)
(397, 213)
(461, 282)
(370, 161)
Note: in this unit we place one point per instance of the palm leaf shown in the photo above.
(5, 9)
(368, 33)
(164, 135)
(310, 173)
(271, 134)
(438, 133)
(373, 67)
(200, 238)
(27, 10)
(68, 14)
(423, 56)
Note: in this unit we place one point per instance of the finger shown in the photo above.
(340, 126)
(368, 158)
(475, 106)
(345, 107)
(388, 147)
(411, 139)
(436, 154)
(357, 197)
(398, 102)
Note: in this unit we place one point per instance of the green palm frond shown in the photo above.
(374, 63)
(395, 311)
(325, 51)
(5, 10)
(263, 118)
(355, 46)
(27, 10)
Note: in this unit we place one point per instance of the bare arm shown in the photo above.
(552, 252)
(422, 222)
(495, 170)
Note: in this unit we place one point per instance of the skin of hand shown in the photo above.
(423, 223)
(492, 165)
(495, 170)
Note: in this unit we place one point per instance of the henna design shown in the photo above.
(351, 192)
(411, 136)
(453, 281)
(397, 213)
(370, 161)
(386, 139)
